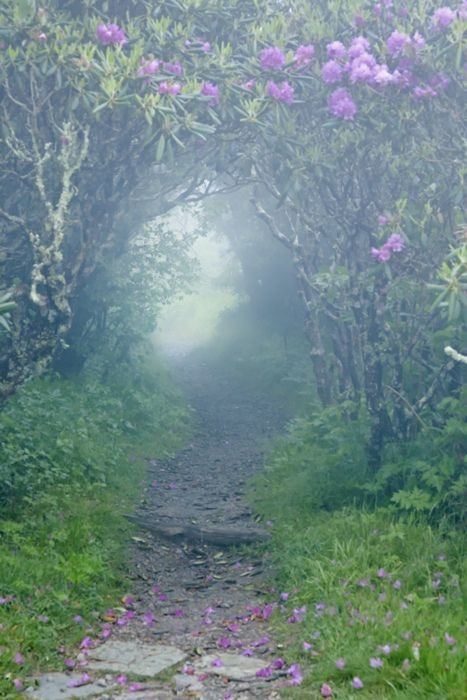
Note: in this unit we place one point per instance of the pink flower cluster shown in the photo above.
(110, 34)
(212, 91)
(272, 58)
(283, 92)
(304, 55)
(341, 104)
(394, 244)
(148, 68)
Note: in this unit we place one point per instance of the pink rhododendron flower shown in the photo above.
(247, 652)
(443, 17)
(340, 664)
(77, 619)
(397, 42)
(109, 34)
(69, 663)
(128, 601)
(206, 47)
(396, 243)
(284, 596)
(278, 664)
(175, 69)
(217, 662)
(336, 50)
(304, 55)
(233, 627)
(166, 88)
(357, 683)
(178, 612)
(420, 92)
(121, 679)
(307, 646)
(272, 58)
(417, 42)
(18, 685)
(331, 72)
(326, 691)
(283, 92)
(358, 46)
(212, 91)
(261, 642)
(382, 76)
(341, 104)
(148, 68)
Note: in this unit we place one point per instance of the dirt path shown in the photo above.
(208, 604)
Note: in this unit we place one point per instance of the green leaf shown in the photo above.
(160, 148)
(25, 10)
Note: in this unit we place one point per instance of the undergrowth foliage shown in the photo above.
(72, 462)
(380, 600)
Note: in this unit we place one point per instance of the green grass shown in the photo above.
(331, 560)
(63, 549)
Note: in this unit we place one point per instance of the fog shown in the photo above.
(191, 322)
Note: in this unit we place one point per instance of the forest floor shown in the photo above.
(202, 606)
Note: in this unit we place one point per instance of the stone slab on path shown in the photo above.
(55, 686)
(135, 658)
(234, 666)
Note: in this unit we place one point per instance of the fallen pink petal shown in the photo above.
(82, 680)
(224, 642)
(136, 687)
(265, 672)
(296, 674)
(87, 643)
